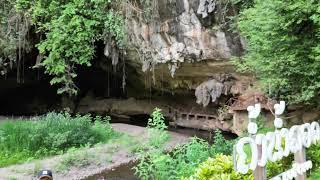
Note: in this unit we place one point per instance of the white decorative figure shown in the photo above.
(278, 123)
(306, 136)
(242, 165)
(254, 111)
(278, 110)
(285, 135)
(262, 140)
(271, 142)
(277, 144)
(252, 128)
(315, 132)
(295, 141)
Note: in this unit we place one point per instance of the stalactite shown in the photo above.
(211, 89)
(14, 28)
(124, 75)
(206, 7)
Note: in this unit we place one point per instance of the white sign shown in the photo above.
(297, 169)
(275, 145)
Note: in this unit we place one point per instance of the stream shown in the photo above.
(125, 172)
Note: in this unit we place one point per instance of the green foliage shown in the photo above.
(221, 167)
(153, 166)
(313, 153)
(156, 129)
(52, 134)
(157, 138)
(71, 28)
(283, 47)
(189, 156)
(221, 145)
(315, 175)
(157, 120)
(75, 158)
(275, 168)
(182, 161)
(218, 168)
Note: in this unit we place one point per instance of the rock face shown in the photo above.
(184, 35)
(178, 34)
(182, 49)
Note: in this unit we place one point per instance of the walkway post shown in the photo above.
(300, 157)
(260, 172)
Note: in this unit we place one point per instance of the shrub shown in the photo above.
(75, 158)
(313, 153)
(275, 168)
(283, 48)
(218, 168)
(52, 134)
(221, 145)
(181, 162)
(189, 156)
(156, 129)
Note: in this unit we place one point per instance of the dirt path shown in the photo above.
(91, 162)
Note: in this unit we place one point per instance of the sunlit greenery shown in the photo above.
(49, 135)
(69, 30)
(283, 47)
(182, 161)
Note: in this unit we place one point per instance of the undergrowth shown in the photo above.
(182, 161)
(52, 134)
(76, 158)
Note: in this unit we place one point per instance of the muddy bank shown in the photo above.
(123, 172)
(100, 160)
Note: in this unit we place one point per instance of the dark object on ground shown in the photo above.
(45, 175)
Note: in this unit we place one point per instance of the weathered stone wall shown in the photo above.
(177, 33)
(182, 47)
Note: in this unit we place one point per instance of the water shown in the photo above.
(124, 172)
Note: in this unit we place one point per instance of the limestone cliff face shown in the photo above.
(179, 33)
(184, 46)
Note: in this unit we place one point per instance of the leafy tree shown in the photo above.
(71, 28)
(283, 47)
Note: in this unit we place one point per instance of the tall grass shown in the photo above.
(49, 135)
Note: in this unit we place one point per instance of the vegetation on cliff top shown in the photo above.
(283, 47)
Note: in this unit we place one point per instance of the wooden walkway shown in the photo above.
(207, 122)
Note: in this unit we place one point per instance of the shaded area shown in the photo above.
(123, 172)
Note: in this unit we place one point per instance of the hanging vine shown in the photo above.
(71, 29)
(14, 28)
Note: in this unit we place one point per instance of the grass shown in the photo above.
(315, 175)
(76, 158)
(52, 134)
(100, 154)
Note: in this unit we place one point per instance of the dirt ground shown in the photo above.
(92, 161)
